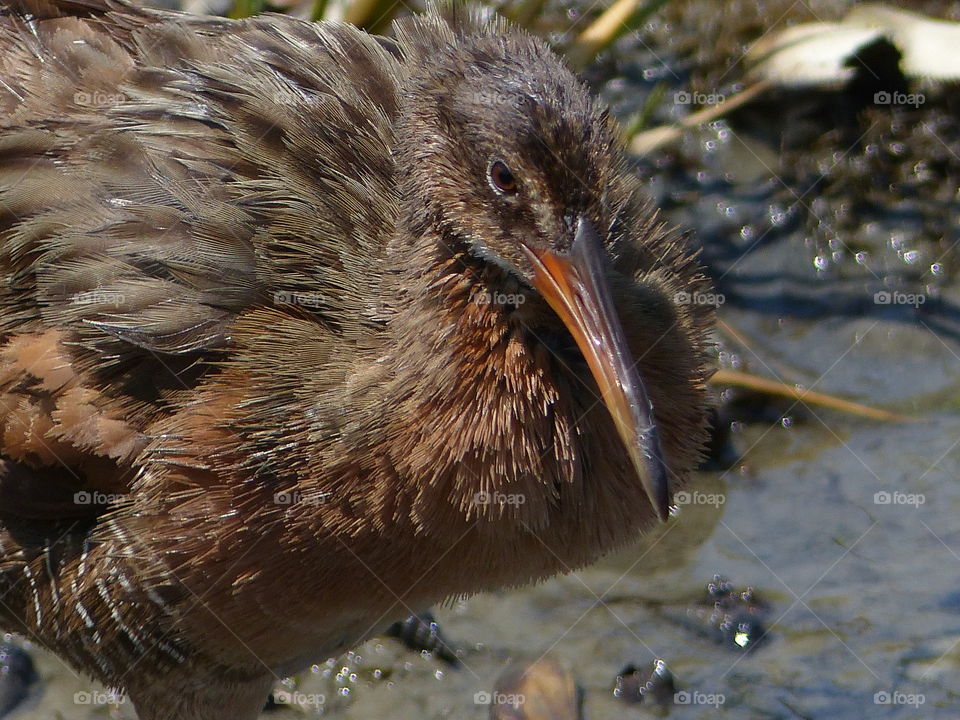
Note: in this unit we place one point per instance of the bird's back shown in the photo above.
(156, 189)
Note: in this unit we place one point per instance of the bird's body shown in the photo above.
(273, 373)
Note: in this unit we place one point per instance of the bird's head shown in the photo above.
(505, 153)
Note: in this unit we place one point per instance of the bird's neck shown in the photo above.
(483, 426)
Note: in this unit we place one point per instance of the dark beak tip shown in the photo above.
(663, 511)
(660, 498)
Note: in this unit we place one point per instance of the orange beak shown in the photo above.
(575, 286)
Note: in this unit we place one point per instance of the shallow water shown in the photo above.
(864, 594)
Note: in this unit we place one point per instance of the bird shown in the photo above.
(304, 330)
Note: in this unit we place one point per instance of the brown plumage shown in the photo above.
(302, 330)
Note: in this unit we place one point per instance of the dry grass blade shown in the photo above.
(619, 18)
(656, 138)
(737, 378)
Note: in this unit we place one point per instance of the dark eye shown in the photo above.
(501, 179)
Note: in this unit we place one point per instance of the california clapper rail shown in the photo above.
(303, 329)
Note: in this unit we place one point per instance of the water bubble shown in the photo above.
(777, 214)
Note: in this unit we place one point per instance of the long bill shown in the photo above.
(576, 287)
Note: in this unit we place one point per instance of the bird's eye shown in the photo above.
(501, 179)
